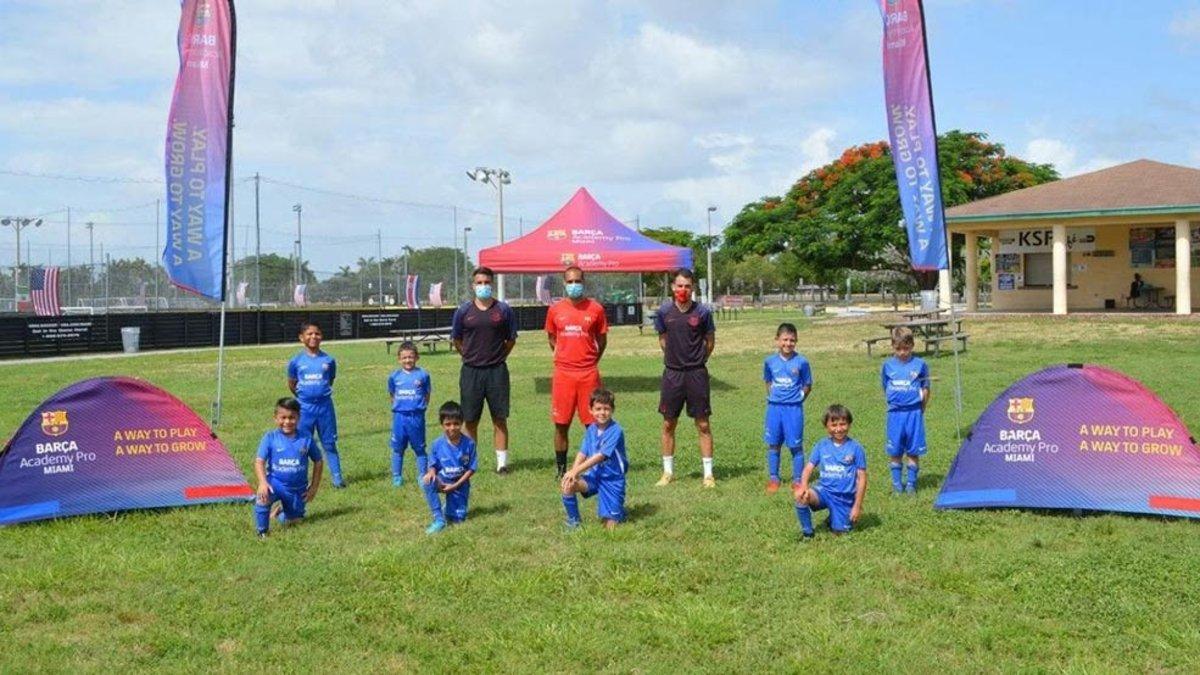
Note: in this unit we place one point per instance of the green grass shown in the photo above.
(697, 581)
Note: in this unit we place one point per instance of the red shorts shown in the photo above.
(570, 391)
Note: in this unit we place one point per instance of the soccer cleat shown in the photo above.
(397, 481)
(573, 524)
(338, 482)
(910, 489)
(709, 482)
(262, 535)
(502, 471)
(773, 486)
(806, 536)
(666, 479)
(435, 527)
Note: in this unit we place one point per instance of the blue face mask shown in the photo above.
(574, 290)
(483, 292)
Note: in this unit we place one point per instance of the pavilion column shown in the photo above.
(1183, 267)
(971, 251)
(1059, 257)
(944, 297)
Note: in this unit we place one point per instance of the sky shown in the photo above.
(369, 113)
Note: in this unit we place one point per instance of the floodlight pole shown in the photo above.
(709, 272)
(18, 224)
(497, 178)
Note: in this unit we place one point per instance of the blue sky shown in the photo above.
(658, 108)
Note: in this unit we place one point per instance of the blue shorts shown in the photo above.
(784, 425)
(839, 505)
(292, 499)
(906, 432)
(319, 416)
(408, 428)
(456, 503)
(611, 504)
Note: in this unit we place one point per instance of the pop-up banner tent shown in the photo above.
(1077, 437)
(582, 233)
(110, 444)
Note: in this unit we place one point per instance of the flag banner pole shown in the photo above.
(912, 132)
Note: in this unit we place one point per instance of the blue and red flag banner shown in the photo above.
(300, 295)
(43, 291)
(1077, 437)
(435, 294)
(199, 133)
(112, 444)
(913, 132)
(412, 285)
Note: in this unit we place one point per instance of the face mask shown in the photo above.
(574, 290)
(682, 295)
(483, 292)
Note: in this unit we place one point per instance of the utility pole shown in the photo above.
(107, 269)
(299, 245)
(91, 228)
(257, 249)
(157, 251)
(457, 297)
(711, 278)
(379, 252)
(467, 262)
(68, 256)
(521, 233)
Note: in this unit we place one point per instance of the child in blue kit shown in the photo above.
(842, 465)
(789, 381)
(282, 469)
(310, 377)
(905, 380)
(452, 462)
(409, 388)
(600, 466)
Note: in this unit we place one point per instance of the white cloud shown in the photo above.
(1186, 25)
(1065, 157)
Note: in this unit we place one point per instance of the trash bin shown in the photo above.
(809, 310)
(131, 337)
(929, 300)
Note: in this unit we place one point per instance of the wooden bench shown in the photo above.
(937, 340)
(429, 337)
(870, 342)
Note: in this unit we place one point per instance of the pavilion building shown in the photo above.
(1077, 242)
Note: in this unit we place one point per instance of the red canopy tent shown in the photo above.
(582, 233)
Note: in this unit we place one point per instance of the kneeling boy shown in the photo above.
(600, 466)
(452, 462)
(842, 464)
(282, 468)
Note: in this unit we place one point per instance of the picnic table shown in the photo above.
(1152, 296)
(923, 314)
(934, 332)
(430, 337)
(728, 306)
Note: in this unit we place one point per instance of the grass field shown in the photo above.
(696, 581)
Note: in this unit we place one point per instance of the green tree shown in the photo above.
(845, 215)
(653, 283)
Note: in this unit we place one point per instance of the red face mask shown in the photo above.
(683, 294)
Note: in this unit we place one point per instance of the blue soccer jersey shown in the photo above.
(313, 375)
(452, 461)
(287, 457)
(410, 390)
(903, 381)
(610, 442)
(788, 378)
(838, 465)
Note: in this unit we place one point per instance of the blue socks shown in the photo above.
(335, 465)
(804, 515)
(797, 463)
(913, 470)
(773, 463)
(896, 484)
(262, 517)
(571, 504)
(397, 464)
(434, 500)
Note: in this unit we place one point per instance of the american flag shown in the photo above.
(412, 283)
(43, 290)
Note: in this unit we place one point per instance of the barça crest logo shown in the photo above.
(555, 235)
(1020, 410)
(568, 258)
(54, 422)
